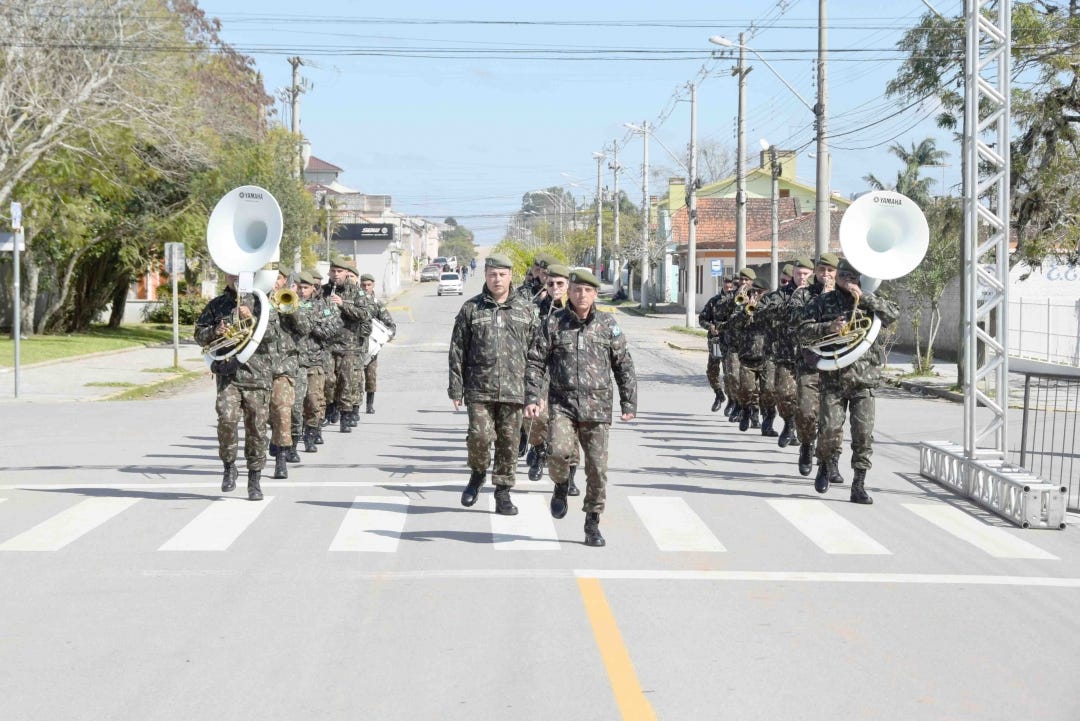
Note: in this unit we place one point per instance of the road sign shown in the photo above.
(7, 241)
(16, 216)
(717, 266)
(174, 258)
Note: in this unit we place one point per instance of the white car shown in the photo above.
(451, 283)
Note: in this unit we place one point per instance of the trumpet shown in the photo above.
(742, 298)
(750, 306)
(285, 300)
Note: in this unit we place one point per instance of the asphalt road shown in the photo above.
(362, 589)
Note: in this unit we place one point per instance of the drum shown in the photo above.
(380, 336)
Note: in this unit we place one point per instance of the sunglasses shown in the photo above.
(555, 283)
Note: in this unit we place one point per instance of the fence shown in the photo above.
(1048, 440)
(1046, 329)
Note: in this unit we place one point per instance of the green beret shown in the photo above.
(367, 276)
(559, 271)
(498, 260)
(846, 268)
(761, 283)
(584, 277)
(340, 261)
(830, 259)
(543, 260)
(788, 270)
(748, 273)
(308, 279)
(804, 262)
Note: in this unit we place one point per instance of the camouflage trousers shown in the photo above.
(731, 374)
(498, 423)
(371, 370)
(282, 395)
(315, 400)
(807, 403)
(538, 428)
(565, 434)
(300, 389)
(785, 390)
(357, 379)
(838, 401)
(253, 404)
(754, 388)
(341, 381)
(714, 372)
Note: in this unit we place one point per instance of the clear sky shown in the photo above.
(457, 109)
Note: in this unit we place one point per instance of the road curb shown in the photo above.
(77, 358)
(676, 346)
(928, 390)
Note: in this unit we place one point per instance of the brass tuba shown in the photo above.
(285, 300)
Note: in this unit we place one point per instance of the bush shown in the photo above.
(189, 308)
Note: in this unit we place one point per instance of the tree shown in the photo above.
(457, 241)
(908, 180)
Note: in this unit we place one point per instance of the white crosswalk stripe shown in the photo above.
(217, 527)
(372, 523)
(997, 542)
(673, 526)
(830, 531)
(531, 530)
(58, 531)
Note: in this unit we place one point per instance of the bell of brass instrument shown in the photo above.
(238, 333)
(741, 298)
(750, 306)
(285, 300)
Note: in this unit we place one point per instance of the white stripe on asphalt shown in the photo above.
(532, 529)
(673, 526)
(998, 542)
(395, 483)
(830, 531)
(216, 528)
(66, 526)
(372, 523)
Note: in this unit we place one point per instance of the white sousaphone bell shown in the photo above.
(243, 235)
(884, 235)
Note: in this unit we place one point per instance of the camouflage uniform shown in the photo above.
(487, 370)
(806, 373)
(345, 350)
(851, 387)
(286, 369)
(242, 389)
(326, 325)
(530, 289)
(538, 427)
(578, 358)
(371, 370)
(710, 319)
(750, 329)
(782, 349)
(729, 340)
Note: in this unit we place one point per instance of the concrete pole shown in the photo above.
(691, 218)
(616, 265)
(740, 164)
(644, 300)
(821, 206)
(599, 213)
(296, 62)
(774, 242)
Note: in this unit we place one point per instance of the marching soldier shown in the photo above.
(849, 390)
(576, 351)
(371, 370)
(709, 318)
(535, 277)
(325, 325)
(283, 390)
(492, 333)
(750, 331)
(784, 347)
(341, 388)
(730, 340)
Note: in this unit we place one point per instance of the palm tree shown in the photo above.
(908, 181)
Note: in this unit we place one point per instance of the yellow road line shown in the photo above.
(628, 695)
(407, 309)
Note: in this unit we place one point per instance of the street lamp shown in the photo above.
(644, 130)
(774, 241)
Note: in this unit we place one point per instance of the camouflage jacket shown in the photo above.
(780, 337)
(709, 318)
(578, 358)
(487, 349)
(355, 312)
(865, 372)
(324, 323)
(258, 371)
(751, 332)
(796, 305)
(530, 289)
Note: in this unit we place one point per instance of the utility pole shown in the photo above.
(740, 163)
(822, 215)
(644, 300)
(599, 212)
(774, 241)
(616, 264)
(691, 217)
(294, 105)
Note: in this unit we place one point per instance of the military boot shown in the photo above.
(806, 458)
(744, 417)
(503, 505)
(228, 478)
(309, 440)
(728, 407)
(344, 426)
(290, 453)
(785, 435)
(318, 437)
(718, 400)
(755, 419)
(821, 482)
(272, 449)
(254, 489)
(536, 470)
(834, 471)
(354, 416)
(371, 402)
(573, 490)
(331, 413)
(281, 467)
(736, 411)
(592, 530)
(767, 424)
(559, 505)
(858, 492)
(472, 490)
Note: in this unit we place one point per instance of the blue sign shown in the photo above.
(717, 265)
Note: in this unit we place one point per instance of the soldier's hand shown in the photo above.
(855, 290)
(836, 326)
(457, 404)
(244, 312)
(221, 327)
(628, 416)
(335, 299)
(532, 410)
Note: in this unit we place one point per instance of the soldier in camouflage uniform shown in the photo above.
(283, 390)
(346, 350)
(535, 278)
(730, 340)
(371, 370)
(325, 324)
(709, 318)
(806, 373)
(492, 333)
(748, 327)
(784, 347)
(577, 351)
(363, 332)
(242, 389)
(850, 389)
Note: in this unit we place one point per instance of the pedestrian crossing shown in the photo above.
(378, 523)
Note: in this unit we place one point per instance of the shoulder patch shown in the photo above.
(326, 311)
(616, 331)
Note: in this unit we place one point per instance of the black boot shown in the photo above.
(371, 402)
(834, 471)
(729, 406)
(344, 425)
(318, 437)
(736, 411)
(821, 482)
(806, 458)
(559, 505)
(744, 417)
(573, 490)
(718, 401)
(309, 440)
(290, 453)
(354, 416)
(592, 530)
(228, 478)
(755, 419)
(254, 489)
(767, 423)
(536, 470)
(331, 414)
(281, 467)
(272, 449)
(472, 490)
(530, 457)
(523, 443)
(785, 435)
(503, 505)
(858, 493)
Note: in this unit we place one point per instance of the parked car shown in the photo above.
(450, 283)
(431, 272)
